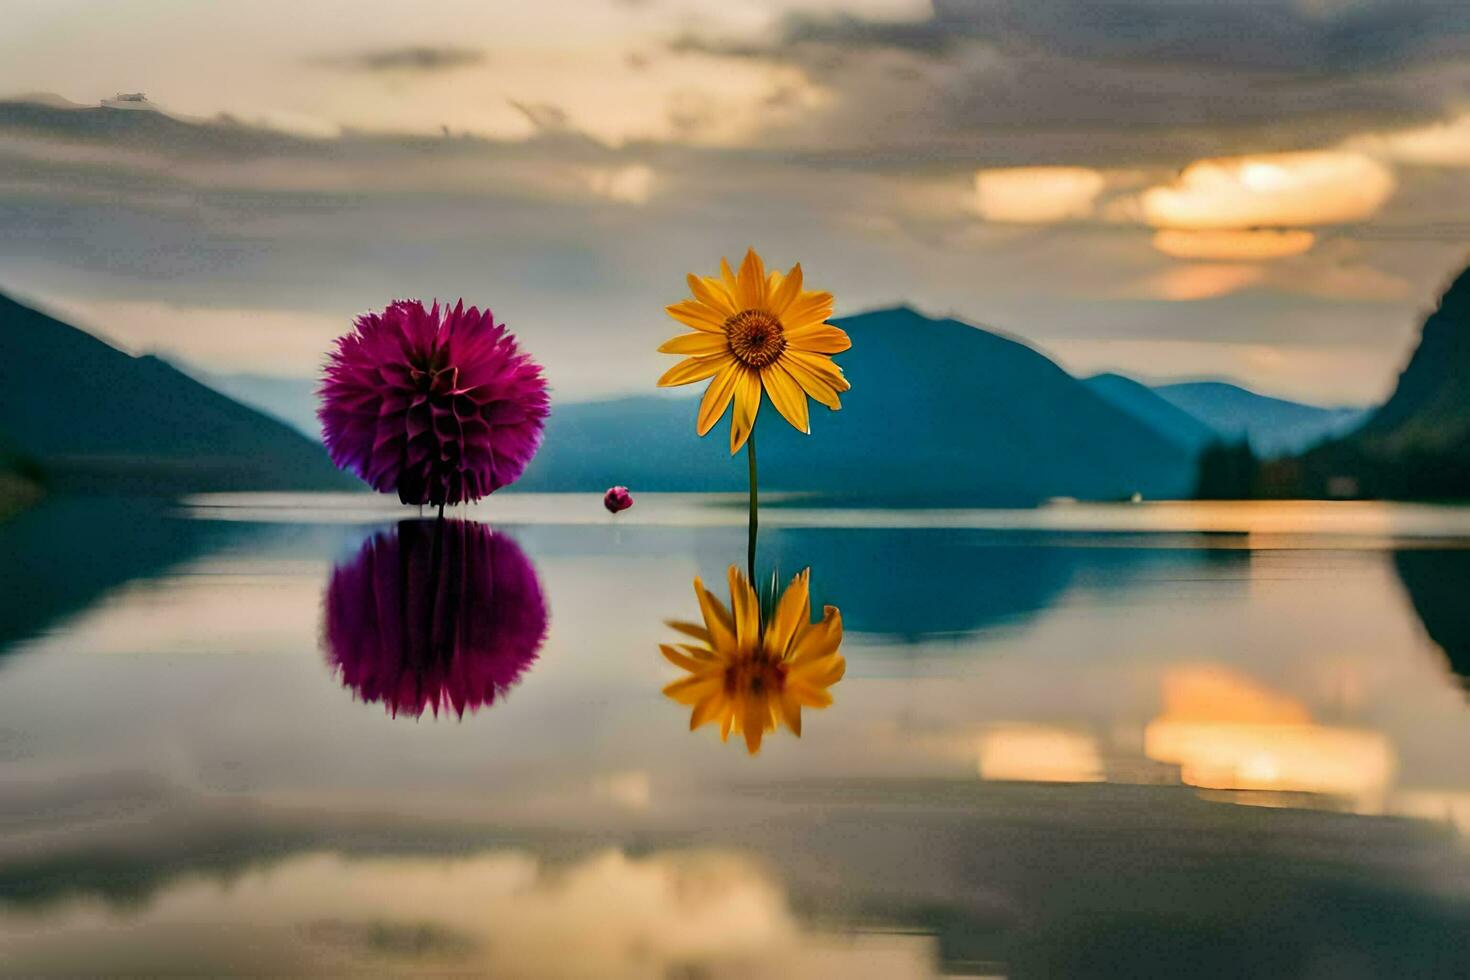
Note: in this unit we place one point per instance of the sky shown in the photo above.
(1269, 190)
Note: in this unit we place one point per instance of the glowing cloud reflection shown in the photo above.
(1039, 754)
(499, 913)
(1225, 732)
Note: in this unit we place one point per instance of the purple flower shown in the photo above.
(441, 407)
(616, 499)
(434, 614)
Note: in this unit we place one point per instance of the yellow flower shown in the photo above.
(756, 332)
(747, 678)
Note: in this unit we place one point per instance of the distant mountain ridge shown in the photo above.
(1272, 426)
(1198, 413)
(1144, 403)
(97, 418)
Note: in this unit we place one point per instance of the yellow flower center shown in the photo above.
(755, 337)
(755, 676)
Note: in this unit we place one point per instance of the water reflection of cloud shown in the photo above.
(502, 913)
(1226, 732)
(1039, 754)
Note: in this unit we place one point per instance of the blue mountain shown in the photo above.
(93, 417)
(1153, 410)
(1272, 426)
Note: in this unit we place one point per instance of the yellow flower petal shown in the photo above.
(703, 654)
(834, 673)
(821, 338)
(711, 293)
(694, 314)
(787, 396)
(706, 711)
(727, 278)
(688, 629)
(812, 383)
(680, 660)
(810, 697)
(716, 619)
(791, 713)
(792, 612)
(693, 369)
(697, 344)
(747, 404)
(786, 292)
(818, 639)
(754, 724)
(810, 307)
(717, 398)
(752, 295)
(747, 612)
(692, 690)
(820, 365)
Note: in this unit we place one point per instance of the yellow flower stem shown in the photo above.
(755, 521)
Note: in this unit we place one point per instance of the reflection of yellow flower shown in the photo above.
(755, 332)
(750, 679)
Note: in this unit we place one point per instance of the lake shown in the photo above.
(1205, 740)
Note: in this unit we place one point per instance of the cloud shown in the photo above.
(1444, 144)
(1345, 374)
(1188, 283)
(1262, 35)
(543, 116)
(1037, 195)
(1332, 273)
(1282, 190)
(129, 101)
(415, 59)
(279, 342)
(1024, 82)
(1232, 245)
(630, 184)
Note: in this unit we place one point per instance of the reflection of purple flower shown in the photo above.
(435, 614)
(616, 499)
(439, 406)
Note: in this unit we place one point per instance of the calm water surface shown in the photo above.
(1129, 741)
